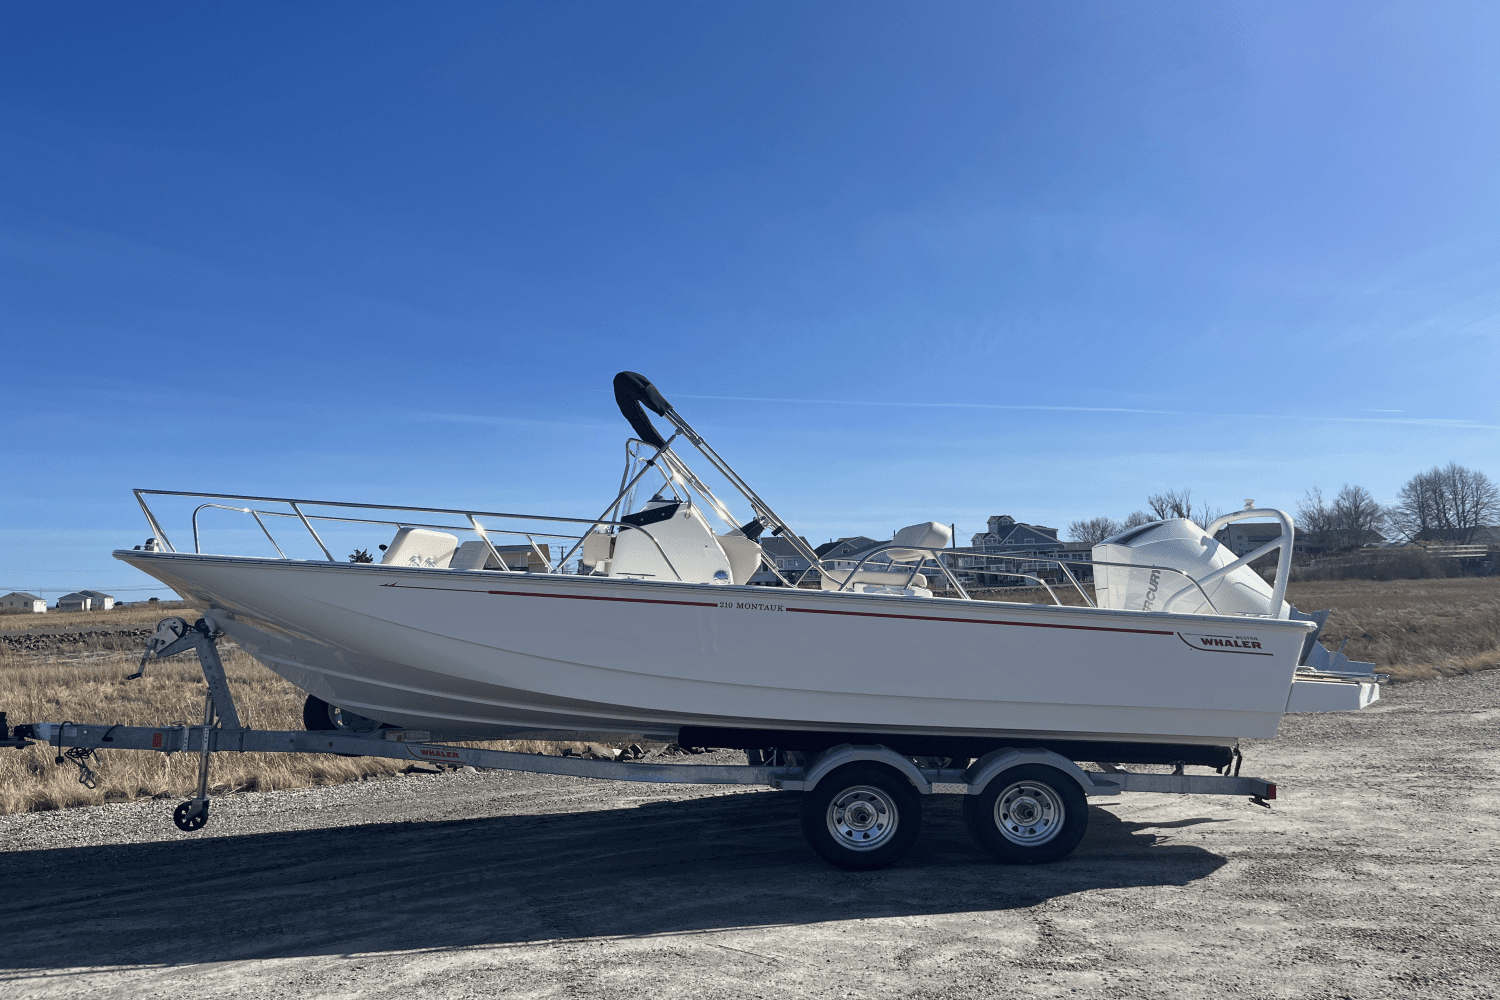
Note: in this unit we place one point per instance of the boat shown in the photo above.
(643, 621)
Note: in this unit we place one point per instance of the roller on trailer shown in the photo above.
(861, 805)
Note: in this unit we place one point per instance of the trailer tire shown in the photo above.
(1029, 814)
(317, 715)
(862, 816)
(320, 717)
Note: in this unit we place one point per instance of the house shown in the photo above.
(1006, 537)
(19, 603)
(1487, 536)
(787, 560)
(1244, 537)
(845, 552)
(75, 602)
(102, 602)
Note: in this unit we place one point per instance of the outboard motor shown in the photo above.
(1154, 568)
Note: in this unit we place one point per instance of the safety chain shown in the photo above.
(79, 756)
(86, 775)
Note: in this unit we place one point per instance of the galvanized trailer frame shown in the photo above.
(886, 776)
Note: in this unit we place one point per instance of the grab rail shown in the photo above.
(475, 526)
(243, 510)
(306, 517)
(1284, 541)
(935, 555)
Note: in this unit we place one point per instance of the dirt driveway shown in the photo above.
(1374, 876)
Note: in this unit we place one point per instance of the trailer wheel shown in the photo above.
(317, 715)
(1028, 814)
(191, 815)
(862, 816)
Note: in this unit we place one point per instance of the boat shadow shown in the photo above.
(661, 868)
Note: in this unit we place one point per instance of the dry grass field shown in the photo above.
(85, 682)
(141, 615)
(1410, 628)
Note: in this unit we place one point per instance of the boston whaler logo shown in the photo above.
(1224, 643)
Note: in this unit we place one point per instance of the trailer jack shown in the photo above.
(173, 636)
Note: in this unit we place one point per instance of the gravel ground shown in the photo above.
(1375, 875)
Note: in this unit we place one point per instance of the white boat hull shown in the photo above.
(462, 651)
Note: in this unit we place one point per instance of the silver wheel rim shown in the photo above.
(862, 818)
(1029, 813)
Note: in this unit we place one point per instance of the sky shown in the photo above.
(896, 262)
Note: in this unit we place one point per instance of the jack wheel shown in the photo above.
(191, 815)
(862, 816)
(1027, 815)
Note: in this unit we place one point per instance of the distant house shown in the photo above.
(845, 552)
(1244, 537)
(20, 602)
(102, 602)
(787, 560)
(75, 602)
(1030, 549)
(1486, 535)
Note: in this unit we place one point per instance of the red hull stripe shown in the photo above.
(980, 621)
(805, 611)
(591, 597)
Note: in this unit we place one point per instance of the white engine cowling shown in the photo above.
(1178, 544)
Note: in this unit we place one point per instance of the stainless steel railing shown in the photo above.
(305, 511)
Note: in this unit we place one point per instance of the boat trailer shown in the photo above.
(862, 810)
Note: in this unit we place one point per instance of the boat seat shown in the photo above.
(473, 555)
(598, 549)
(927, 535)
(516, 558)
(420, 547)
(876, 581)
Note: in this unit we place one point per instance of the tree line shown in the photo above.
(1448, 503)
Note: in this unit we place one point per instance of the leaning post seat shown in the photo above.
(926, 536)
(877, 581)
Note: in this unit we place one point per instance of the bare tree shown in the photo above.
(1205, 516)
(1094, 530)
(1174, 503)
(1314, 516)
(1351, 520)
(1446, 504)
(1355, 517)
(1171, 504)
(1135, 519)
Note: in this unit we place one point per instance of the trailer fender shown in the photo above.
(985, 768)
(844, 753)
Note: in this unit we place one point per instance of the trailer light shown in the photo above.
(1271, 791)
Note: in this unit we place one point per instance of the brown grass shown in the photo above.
(131, 616)
(88, 686)
(1411, 629)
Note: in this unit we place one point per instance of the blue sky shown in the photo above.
(897, 262)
